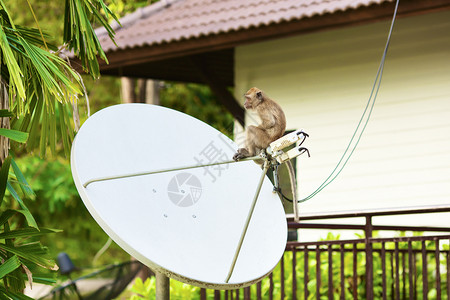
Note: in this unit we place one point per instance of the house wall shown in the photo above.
(323, 81)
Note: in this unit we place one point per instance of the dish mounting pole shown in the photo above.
(162, 286)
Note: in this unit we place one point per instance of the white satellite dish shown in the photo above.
(203, 225)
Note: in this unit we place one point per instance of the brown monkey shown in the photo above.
(272, 127)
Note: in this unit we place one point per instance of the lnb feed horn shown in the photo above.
(293, 153)
(287, 140)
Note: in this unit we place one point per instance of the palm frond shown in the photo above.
(26, 232)
(15, 135)
(28, 256)
(23, 183)
(6, 215)
(15, 74)
(10, 265)
(50, 80)
(79, 34)
(40, 87)
(25, 211)
(4, 177)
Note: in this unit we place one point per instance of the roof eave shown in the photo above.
(148, 53)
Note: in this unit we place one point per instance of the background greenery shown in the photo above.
(38, 91)
(57, 204)
(145, 290)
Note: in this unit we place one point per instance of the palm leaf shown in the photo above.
(6, 294)
(28, 216)
(34, 247)
(10, 265)
(4, 113)
(79, 33)
(33, 36)
(4, 177)
(40, 86)
(15, 135)
(49, 79)
(7, 15)
(15, 80)
(44, 278)
(26, 232)
(15, 74)
(14, 278)
(25, 187)
(66, 135)
(28, 255)
(6, 215)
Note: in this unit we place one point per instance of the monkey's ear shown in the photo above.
(259, 95)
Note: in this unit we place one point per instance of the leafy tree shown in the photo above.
(57, 204)
(38, 93)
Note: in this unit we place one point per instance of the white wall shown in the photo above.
(323, 81)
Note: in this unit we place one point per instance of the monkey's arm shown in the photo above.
(268, 121)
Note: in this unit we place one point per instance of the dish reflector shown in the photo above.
(184, 223)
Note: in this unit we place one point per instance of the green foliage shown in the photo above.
(38, 89)
(123, 7)
(42, 89)
(48, 12)
(146, 290)
(198, 101)
(20, 251)
(34, 74)
(102, 93)
(79, 15)
(58, 205)
(178, 290)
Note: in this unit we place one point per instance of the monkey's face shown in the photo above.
(253, 98)
(248, 102)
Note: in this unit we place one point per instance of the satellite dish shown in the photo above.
(132, 166)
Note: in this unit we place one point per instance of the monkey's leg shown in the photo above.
(257, 139)
(249, 150)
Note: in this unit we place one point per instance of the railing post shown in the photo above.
(330, 272)
(369, 258)
(216, 295)
(424, 271)
(437, 255)
(355, 271)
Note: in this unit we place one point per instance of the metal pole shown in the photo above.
(165, 170)
(247, 222)
(293, 189)
(162, 286)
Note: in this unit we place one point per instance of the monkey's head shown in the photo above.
(253, 98)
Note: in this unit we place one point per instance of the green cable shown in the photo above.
(375, 87)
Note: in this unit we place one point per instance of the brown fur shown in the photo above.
(272, 127)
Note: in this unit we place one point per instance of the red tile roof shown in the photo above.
(174, 20)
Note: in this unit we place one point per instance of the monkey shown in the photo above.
(272, 127)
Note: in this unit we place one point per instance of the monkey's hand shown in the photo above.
(240, 154)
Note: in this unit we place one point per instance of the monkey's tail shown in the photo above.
(293, 189)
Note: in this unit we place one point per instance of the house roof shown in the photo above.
(175, 20)
(175, 29)
(194, 40)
